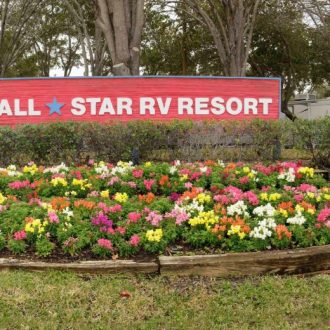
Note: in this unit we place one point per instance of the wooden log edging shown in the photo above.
(308, 261)
(298, 261)
(93, 267)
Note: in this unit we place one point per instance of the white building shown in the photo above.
(308, 107)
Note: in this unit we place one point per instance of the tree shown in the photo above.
(174, 43)
(122, 23)
(16, 30)
(231, 23)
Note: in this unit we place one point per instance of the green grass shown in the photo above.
(58, 300)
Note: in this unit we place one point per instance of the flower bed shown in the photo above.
(102, 210)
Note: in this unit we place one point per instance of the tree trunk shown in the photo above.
(231, 24)
(122, 23)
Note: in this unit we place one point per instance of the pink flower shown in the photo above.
(53, 218)
(178, 215)
(299, 198)
(19, 235)
(121, 230)
(148, 183)
(265, 188)
(19, 184)
(324, 215)
(116, 208)
(131, 184)
(135, 240)
(244, 180)
(94, 193)
(36, 201)
(188, 185)
(304, 187)
(105, 243)
(91, 162)
(154, 218)
(223, 199)
(196, 175)
(134, 217)
(251, 197)
(137, 173)
(113, 180)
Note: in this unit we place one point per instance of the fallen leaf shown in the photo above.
(125, 294)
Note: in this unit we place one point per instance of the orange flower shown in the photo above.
(219, 209)
(164, 181)
(288, 206)
(209, 162)
(236, 222)
(148, 198)
(190, 194)
(59, 203)
(12, 198)
(307, 206)
(29, 219)
(218, 228)
(282, 230)
(83, 203)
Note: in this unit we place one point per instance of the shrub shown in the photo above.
(164, 141)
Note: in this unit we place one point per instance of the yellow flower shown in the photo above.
(36, 226)
(59, 181)
(204, 218)
(310, 195)
(154, 235)
(203, 198)
(251, 175)
(264, 196)
(184, 177)
(326, 197)
(274, 197)
(236, 230)
(30, 169)
(121, 197)
(104, 194)
(311, 211)
(246, 169)
(148, 164)
(284, 213)
(299, 208)
(309, 172)
(2, 198)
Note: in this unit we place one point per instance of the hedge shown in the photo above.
(186, 140)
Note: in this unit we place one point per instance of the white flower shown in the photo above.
(264, 211)
(203, 169)
(289, 175)
(177, 162)
(57, 169)
(264, 228)
(221, 163)
(103, 169)
(298, 219)
(238, 208)
(68, 212)
(268, 223)
(173, 170)
(190, 208)
(261, 232)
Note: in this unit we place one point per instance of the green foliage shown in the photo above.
(230, 141)
(44, 247)
(16, 246)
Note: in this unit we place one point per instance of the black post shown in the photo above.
(135, 156)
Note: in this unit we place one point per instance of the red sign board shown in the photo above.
(31, 101)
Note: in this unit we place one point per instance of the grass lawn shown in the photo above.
(58, 300)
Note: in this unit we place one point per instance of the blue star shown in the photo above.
(55, 107)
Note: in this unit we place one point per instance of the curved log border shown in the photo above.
(308, 261)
